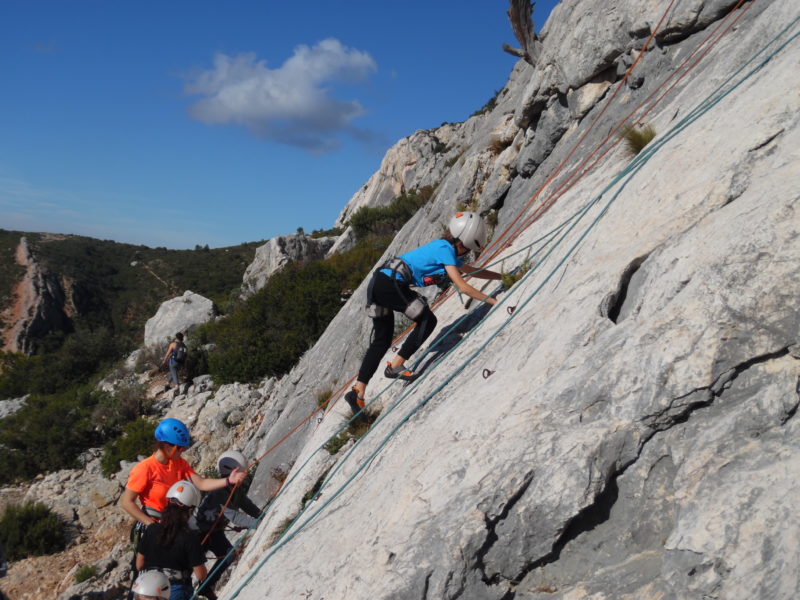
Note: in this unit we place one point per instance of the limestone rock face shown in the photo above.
(277, 253)
(179, 314)
(629, 430)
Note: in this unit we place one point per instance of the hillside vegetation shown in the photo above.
(119, 286)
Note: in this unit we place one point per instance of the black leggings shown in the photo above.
(396, 296)
(220, 546)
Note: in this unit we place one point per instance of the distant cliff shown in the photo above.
(41, 303)
(55, 283)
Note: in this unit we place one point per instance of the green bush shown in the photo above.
(137, 439)
(277, 325)
(31, 530)
(335, 231)
(387, 220)
(509, 279)
(85, 573)
(75, 361)
(113, 412)
(269, 332)
(335, 444)
(48, 433)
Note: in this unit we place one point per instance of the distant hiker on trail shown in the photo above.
(151, 585)
(389, 290)
(175, 358)
(152, 478)
(240, 513)
(171, 547)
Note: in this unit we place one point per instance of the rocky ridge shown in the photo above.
(278, 252)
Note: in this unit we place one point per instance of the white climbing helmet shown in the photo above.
(469, 228)
(152, 584)
(184, 492)
(230, 460)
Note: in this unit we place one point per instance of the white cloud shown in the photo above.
(291, 104)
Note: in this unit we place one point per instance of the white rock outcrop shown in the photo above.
(182, 313)
(277, 253)
(11, 406)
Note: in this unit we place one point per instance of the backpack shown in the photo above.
(179, 353)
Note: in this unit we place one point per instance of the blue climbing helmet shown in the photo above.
(173, 432)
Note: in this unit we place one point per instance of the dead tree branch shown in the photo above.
(520, 13)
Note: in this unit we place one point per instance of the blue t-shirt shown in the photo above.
(428, 261)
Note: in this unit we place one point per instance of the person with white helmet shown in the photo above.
(390, 290)
(170, 546)
(151, 585)
(151, 478)
(214, 516)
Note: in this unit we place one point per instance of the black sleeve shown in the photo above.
(249, 507)
(211, 505)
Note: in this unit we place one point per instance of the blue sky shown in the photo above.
(181, 123)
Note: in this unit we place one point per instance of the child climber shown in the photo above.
(171, 547)
(389, 290)
(151, 585)
(240, 513)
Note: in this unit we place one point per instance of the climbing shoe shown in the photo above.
(399, 373)
(357, 407)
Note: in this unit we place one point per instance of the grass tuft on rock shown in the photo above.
(636, 138)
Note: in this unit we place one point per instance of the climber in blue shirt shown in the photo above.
(389, 290)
